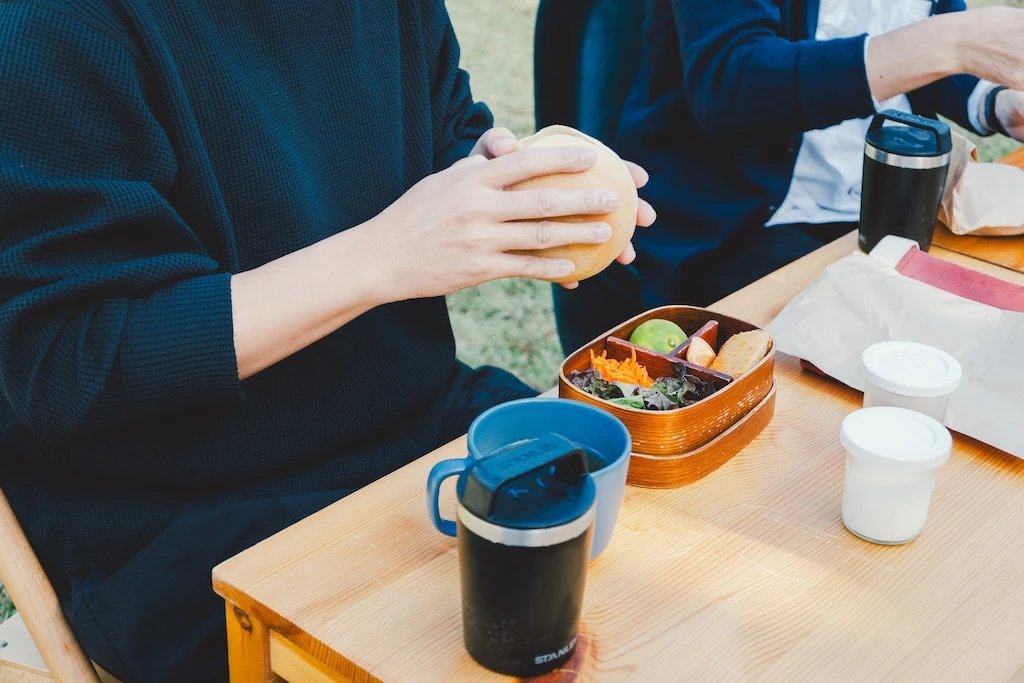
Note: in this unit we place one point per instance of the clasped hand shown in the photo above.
(459, 228)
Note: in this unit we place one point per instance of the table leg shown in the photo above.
(248, 648)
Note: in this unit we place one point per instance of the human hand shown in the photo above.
(500, 141)
(991, 44)
(1009, 110)
(454, 229)
(494, 143)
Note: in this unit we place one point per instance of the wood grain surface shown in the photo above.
(248, 647)
(1015, 158)
(747, 574)
(295, 665)
(1007, 252)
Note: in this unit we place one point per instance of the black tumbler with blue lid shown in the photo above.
(905, 168)
(525, 519)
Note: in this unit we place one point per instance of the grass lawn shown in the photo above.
(510, 323)
(507, 323)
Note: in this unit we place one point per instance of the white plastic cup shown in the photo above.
(910, 375)
(892, 458)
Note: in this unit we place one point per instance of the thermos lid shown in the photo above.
(541, 484)
(919, 143)
(911, 369)
(896, 439)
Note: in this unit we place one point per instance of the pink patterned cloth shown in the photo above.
(961, 281)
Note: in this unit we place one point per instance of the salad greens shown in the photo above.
(667, 393)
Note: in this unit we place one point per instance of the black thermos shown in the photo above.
(905, 169)
(525, 521)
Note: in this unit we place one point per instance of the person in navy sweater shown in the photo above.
(226, 231)
(750, 116)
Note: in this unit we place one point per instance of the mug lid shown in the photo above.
(911, 369)
(540, 484)
(917, 136)
(886, 435)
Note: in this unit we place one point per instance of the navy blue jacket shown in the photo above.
(723, 95)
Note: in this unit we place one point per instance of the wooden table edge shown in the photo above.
(251, 625)
(264, 647)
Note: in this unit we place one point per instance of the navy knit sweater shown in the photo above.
(148, 150)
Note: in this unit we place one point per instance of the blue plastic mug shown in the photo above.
(532, 418)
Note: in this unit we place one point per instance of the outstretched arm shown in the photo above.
(742, 78)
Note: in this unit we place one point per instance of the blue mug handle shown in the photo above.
(438, 473)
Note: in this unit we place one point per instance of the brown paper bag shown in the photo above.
(980, 198)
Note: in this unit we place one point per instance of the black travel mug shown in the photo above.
(905, 169)
(525, 520)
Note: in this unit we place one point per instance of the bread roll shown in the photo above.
(609, 173)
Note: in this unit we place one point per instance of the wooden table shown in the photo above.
(1007, 252)
(748, 574)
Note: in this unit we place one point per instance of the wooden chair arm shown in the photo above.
(37, 603)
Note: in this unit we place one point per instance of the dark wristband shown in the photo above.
(990, 110)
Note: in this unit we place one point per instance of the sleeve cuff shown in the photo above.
(976, 108)
(874, 101)
(834, 81)
(179, 346)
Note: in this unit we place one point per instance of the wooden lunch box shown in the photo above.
(675, 447)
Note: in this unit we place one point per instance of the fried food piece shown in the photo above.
(742, 351)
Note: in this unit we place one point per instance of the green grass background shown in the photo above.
(6, 606)
(510, 323)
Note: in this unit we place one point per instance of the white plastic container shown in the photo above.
(892, 458)
(910, 375)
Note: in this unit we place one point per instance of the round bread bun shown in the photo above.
(609, 173)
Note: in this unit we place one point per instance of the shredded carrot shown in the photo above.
(625, 371)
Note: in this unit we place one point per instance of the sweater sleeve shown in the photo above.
(458, 120)
(743, 79)
(111, 309)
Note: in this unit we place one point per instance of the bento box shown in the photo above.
(673, 447)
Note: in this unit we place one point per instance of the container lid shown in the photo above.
(918, 136)
(911, 369)
(896, 436)
(542, 484)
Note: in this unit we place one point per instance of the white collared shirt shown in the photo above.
(827, 176)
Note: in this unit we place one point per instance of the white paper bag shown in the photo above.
(860, 300)
(981, 199)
